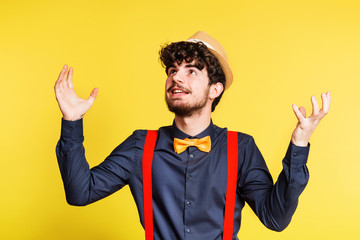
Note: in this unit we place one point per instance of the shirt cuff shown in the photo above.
(296, 154)
(72, 129)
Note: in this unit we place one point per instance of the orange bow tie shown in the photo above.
(203, 144)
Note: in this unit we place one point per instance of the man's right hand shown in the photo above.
(71, 106)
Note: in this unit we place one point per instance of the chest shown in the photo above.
(191, 174)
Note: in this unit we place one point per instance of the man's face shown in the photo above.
(187, 89)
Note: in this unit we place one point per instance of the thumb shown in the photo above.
(297, 112)
(93, 95)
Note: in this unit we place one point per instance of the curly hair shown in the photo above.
(198, 52)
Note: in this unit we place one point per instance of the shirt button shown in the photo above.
(191, 156)
(187, 230)
(295, 154)
(188, 203)
(188, 177)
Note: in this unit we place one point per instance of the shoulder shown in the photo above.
(243, 138)
(139, 135)
(133, 142)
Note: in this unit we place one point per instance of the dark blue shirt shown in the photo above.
(189, 189)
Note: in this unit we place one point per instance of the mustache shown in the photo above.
(175, 85)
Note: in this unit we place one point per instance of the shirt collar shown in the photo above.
(177, 133)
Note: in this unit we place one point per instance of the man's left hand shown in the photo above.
(306, 125)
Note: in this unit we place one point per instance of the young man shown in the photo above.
(188, 178)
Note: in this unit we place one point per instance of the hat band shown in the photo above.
(198, 40)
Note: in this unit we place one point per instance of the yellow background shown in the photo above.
(281, 52)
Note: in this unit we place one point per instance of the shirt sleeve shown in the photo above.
(83, 185)
(273, 204)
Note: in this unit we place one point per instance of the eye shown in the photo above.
(171, 71)
(192, 72)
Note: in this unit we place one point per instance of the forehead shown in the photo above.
(185, 64)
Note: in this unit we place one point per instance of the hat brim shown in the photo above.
(225, 67)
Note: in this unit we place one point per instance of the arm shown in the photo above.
(83, 185)
(275, 204)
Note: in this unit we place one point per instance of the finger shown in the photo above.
(315, 106)
(61, 76)
(297, 112)
(326, 98)
(69, 80)
(63, 83)
(303, 112)
(93, 95)
(63, 71)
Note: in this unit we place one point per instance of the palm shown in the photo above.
(71, 106)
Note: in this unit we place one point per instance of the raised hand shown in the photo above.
(306, 125)
(71, 106)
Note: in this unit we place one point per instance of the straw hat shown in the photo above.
(218, 51)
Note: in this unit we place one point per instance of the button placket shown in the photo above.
(188, 182)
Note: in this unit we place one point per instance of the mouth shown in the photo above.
(175, 90)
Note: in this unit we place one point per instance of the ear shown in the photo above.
(215, 90)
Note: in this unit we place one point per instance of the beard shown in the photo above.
(187, 109)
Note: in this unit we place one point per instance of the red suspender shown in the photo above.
(232, 147)
(147, 182)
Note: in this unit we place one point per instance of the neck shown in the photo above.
(194, 124)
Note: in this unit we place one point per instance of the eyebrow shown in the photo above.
(187, 66)
(192, 66)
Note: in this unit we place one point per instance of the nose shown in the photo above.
(177, 77)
